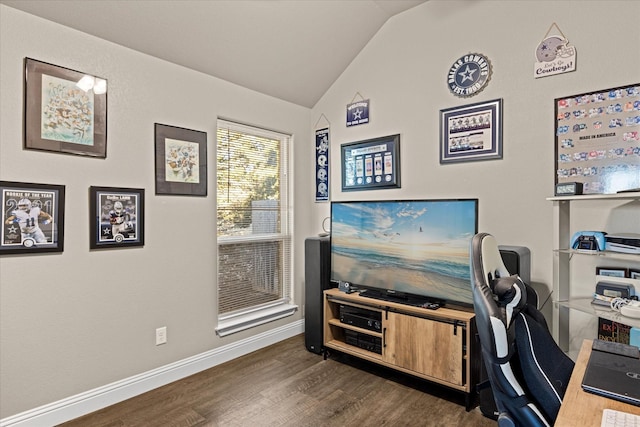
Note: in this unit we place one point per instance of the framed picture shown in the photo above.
(471, 132)
(65, 110)
(181, 161)
(116, 217)
(371, 164)
(612, 271)
(634, 273)
(32, 218)
(597, 139)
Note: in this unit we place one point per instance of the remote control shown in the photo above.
(431, 305)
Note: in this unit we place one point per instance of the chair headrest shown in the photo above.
(511, 294)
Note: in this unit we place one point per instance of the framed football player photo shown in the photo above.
(32, 218)
(116, 217)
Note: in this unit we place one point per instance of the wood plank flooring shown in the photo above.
(285, 385)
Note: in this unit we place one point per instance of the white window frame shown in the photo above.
(230, 323)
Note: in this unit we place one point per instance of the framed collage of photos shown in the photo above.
(598, 140)
(116, 217)
(471, 132)
(371, 164)
(32, 218)
(65, 110)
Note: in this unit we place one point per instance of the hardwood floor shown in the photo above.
(285, 385)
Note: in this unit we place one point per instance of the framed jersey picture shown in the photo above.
(32, 217)
(116, 217)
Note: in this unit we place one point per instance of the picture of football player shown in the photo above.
(119, 219)
(28, 217)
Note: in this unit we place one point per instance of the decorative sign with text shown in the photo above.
(554, 55)
(469, 75)
(358, 113)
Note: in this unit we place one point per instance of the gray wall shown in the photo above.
(403, 71)
(81, 319)
(78, 320)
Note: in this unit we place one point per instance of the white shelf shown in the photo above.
(564, 289)
(629, 195)
(605, 254)
(584, 305)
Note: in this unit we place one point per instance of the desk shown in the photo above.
(583, 409)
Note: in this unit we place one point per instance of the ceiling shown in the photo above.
(290, 49)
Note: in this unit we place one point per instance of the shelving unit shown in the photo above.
(436, 345)
(566, 299)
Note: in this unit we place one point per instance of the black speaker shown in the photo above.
(317, 272)
(517, 259)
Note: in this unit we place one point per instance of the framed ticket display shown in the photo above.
(598, 140)
(370, 164)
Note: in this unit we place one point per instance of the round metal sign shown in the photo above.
(469, 75)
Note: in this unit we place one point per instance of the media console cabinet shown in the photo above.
(435, 345)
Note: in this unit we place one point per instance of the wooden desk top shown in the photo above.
(583, 409)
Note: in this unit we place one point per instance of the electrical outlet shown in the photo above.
(161, 335)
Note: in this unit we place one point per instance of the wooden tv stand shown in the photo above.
(436, 345)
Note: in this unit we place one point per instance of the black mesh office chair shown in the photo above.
(527, 370)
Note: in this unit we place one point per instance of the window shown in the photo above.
(254, 227)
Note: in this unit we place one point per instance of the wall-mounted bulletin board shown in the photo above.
(598, 140)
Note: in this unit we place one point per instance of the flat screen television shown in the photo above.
(412, 251)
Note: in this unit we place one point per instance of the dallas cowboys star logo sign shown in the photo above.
(469, 75)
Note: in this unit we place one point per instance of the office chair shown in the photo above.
(527, 370)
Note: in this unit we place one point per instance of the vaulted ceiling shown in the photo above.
(290, 49)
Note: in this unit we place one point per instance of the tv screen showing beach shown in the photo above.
(418, 247)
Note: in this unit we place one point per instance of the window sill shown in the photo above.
(228, 325)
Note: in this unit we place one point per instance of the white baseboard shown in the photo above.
(101, 397)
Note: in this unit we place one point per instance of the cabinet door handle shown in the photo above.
(384, 337)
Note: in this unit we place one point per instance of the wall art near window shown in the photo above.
(598, 140)
(65, 110)
(181, 161)
(116, 217)
(371, 164)
(32, 218)
(322, 165)
(471, 132)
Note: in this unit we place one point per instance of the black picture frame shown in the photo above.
(471, 132)
(116, 217)
(596, 139)
(65, 111)
(612, 271)
(28, 231)
(181, 161)
(371, 164)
